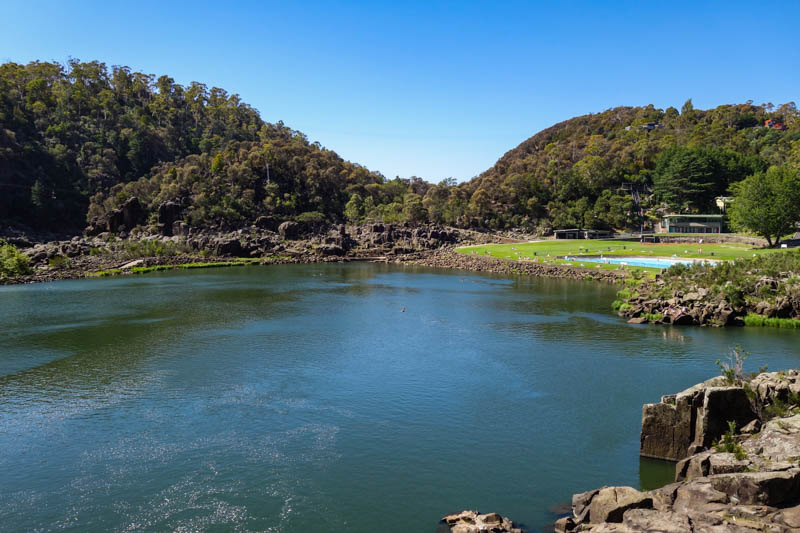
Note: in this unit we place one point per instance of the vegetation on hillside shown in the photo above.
(581, 172)
(77, 140)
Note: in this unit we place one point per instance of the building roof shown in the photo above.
(693, 216)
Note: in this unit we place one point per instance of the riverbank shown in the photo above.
(139, 252)
(725, 294)
(737, 443)
(449, 258)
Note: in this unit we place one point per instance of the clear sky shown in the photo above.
(427, 88)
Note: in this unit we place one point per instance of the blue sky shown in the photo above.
(433, 89)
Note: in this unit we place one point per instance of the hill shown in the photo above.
(78, 141)
(581, 172)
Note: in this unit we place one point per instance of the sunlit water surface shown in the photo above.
(303, 399)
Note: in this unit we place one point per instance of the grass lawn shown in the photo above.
(548, 251)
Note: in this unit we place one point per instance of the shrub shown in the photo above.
(12, 261)
(624, 294)
(729, 445)
(733, 369)
(153, 248)
(60, 261)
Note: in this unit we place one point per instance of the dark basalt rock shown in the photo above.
(290, 230)
(168, 213)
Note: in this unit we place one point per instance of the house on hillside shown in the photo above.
(650, 126)
(774, 124)
(691, 224)
(578, 233)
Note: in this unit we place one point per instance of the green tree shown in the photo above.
(413, 209)
(684, 179)
(767, 203)
(354, 209)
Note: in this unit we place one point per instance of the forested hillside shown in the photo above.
(78, 140)
(580, 172)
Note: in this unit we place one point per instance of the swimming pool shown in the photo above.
(652, 262)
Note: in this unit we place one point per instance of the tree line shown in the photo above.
(78, 140)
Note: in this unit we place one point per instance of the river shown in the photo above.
(328, 398)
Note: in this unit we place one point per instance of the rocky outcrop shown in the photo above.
(684, 301)
(183, 243)
(447, 258)
(684, 423)
(124, 219)
(290, 230)
(168, 213)
(745, 481)
(475, 522)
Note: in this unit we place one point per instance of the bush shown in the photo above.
(12, 261)
(729, 445)
(154, 248)
(733, 369)
(59, 262)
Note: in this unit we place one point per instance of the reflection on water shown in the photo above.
(300, 398)
(655, 473)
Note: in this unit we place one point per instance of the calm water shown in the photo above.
(301, 398)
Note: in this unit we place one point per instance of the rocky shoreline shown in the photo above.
(736, 444)
(289, 242)
(738, 452)
(84, 256)
(447, 258)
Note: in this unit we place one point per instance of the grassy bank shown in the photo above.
(577, 247)
(762, 321)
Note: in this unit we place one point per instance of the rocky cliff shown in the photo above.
(738, 446)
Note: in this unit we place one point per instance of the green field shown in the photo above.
(550, 251)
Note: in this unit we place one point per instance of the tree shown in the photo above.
(354, 210)
(684, 179)
(767, 203)
(413, 210)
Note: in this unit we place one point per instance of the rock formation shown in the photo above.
(726, 481)
(475, 522)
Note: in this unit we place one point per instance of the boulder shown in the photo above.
(721, 405)
(667, 429)
(690, 421)
(789, 517)
(180, 228)
(580, 504)
(229, 246)
(641, 520)
(610, 503)
(699, 495)
(327, 250)
(289, 230)
(776, 385)
(133, 213)
(778, 441)
(475, 522)
(764, 488)
(168, 213)
(115, 221)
